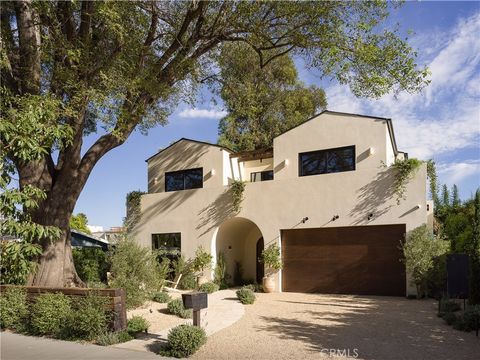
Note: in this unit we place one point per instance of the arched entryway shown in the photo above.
(241, 241)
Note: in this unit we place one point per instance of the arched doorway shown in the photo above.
(240, 240)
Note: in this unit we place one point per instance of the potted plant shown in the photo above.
(271, 259)
(202, 262)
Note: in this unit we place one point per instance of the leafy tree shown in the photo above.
(79, 222)
(474, 251)
(261, 102)
(420, 250)
(69, 68)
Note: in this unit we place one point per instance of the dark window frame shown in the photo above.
(182, 172)
(300, 164)
(262, 173)
(167, 248)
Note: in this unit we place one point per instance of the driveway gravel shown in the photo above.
(313, 326)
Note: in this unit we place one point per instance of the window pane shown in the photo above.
(267, 175)
(168, 241)
(174, 181)
(193, 179)
(327, 161)
(254, 177)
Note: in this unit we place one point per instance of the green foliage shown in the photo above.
(420, 249)
(271, 257)
(175, 307)
(405, 170)
(88, 319)
(14, 309)
(261, 102)
(208, 287)
(254, 287)
(137, 324)
(188, 282)
(433, 182)
(220, 272)
(133, 209)
(450, 318)
(112, 338)
(162, 297)
(184, 340)
(79, 222)
(92, 264)
(16, 261)
(202, 260)
(237, 189)
(51, 314)
(447, 305)
(185, 267)
(135, 268)
(245, 296)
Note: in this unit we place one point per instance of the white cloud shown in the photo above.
(202, 113)
(445, 117)
(454, 173)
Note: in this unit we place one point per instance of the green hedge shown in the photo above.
(246, 296)
(184, 340)
(175, 307)
(209, 287)
(14, 309)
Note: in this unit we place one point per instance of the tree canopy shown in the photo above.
(80, 67)
(261, 102)
(79, 222)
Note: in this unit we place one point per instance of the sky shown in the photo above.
(440, 123)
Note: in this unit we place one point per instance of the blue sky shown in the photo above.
(442, 122)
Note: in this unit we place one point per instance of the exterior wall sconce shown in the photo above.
(287, 162)
(335, 217)
(371, 151)
(304, 220)
(418, 207)
(370, 216)
(212, 172)
(155, 180)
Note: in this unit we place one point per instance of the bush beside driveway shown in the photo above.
(295, 326)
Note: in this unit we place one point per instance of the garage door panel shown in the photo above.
(351, 260)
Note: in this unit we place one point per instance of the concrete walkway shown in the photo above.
(224, 310)
(20, 347)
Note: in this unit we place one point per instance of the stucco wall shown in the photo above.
(282, 203)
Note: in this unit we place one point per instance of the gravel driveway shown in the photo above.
(311, 326)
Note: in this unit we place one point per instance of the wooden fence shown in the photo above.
(115, 303)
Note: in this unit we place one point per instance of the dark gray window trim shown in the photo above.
(179, 172)
(261, 172)
(300, 172)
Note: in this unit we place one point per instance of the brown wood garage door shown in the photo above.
(362, 260)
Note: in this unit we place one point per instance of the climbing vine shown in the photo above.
(405, 170)
(237, 187)
(433, 184)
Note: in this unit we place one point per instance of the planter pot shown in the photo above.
(268, 284)
(202, 279)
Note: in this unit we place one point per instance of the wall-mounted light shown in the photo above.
(370, 216)
(371, 151)
(155, 180)
(418, 207)
(287, 162)
(304, 220)
(335, 217)
(212, 172)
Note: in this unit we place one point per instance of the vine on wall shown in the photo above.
(237, 188)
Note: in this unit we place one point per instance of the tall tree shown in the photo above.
(79, 222)
(445, 196)
(261, 102)
(123, 66)
(455, 197)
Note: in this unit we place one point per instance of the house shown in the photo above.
(324, 193)
(81, 239)
(111, 236)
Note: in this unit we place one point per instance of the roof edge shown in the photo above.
(191, 140)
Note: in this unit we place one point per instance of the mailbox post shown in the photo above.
(195, 301)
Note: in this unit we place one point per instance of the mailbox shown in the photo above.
(195, 300)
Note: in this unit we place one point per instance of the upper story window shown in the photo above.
(326, 161)
(261, 176)
(184, 179)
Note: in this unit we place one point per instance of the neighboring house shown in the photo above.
(324, 193)
(81, 239)
(111, 236)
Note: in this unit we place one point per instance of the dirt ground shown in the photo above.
(311, 326)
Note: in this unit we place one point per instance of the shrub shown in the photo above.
(202, 261)
(51, 313)
(137, 324)
(254, 287)
(89, 318)
(184, 340)
(209, 287)
(135, 268)
(14, 309)
(188, 282)
(450, 318)
(467, 322)
(271, 257)
(91, 264)
(246, 296)
(112, 338)
(175, 307)
(447, 305)
(162, 297)
(220, 272)
(16, 261)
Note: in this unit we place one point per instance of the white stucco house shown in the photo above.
(324, 193)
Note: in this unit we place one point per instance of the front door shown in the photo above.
(260, 268)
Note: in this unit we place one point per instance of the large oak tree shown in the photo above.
(114, 67)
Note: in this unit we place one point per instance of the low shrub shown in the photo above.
(450, 318)
(14, 309)
(184, 340)
(246, 296)
(447, 305)
(209, 287)
(467, 322)
(92, 264)
(162, 297)
(175, 307)
(137, 324)
(112, 338)
(51, 314)
(188, 282)
(254, 287)
(89, 318)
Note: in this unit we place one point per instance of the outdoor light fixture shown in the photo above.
(370, 216)
(371, 151)
(155, 180)
(305, 219)
(335, 217)
(212, 172)
(287, 162)
(418, 207)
